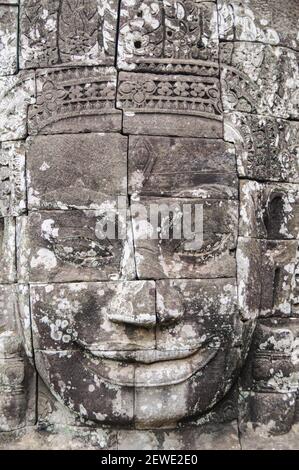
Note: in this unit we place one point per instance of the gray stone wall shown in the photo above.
(134, 342)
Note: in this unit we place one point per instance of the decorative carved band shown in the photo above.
(199, 96)
(70, 93)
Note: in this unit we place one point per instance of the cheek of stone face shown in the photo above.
(196, 313)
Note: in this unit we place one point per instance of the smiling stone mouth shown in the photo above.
(145, 356)
(148, 368)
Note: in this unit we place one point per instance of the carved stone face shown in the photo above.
(152, 332)
(142, 331)
(155, 334)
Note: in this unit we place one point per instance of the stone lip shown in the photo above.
(151, 368)
(145, 356)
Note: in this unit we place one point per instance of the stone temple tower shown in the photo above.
(149, 224)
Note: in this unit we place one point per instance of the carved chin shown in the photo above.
(146, 393)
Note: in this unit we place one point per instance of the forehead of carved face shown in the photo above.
(130, 326)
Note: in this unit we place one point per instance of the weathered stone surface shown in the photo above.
(224, 436)
(183, 167)
(10, 342)
(266, 148)
(188, 389)
(142, 320)
(8, 39)
(158, 257)
(269, 210)
(168, 36)
(63, 246)
(273, 362)
(267, 279)
(295, 299)
(197, 327)
(17, 377)
(17, 394)
(12, 178)
(16, 93)
(260, 439)
(75, 99)
(197, 313)
(175, 105)
(278, 278)
(260, 79)
(59, 32)
(270, 380)
(267, 414)
(101, 353)
(76, 171)
(51, 412)
(99, 389)
(59, 438)
(253, 20)
(7, 249)
(23, 315)
(248, 276)
(225, 411)
(102, 316)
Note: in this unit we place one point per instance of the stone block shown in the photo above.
(74, 99)
(16, 93)
(267, 277)
(253, 20)
(10, 341)
(7, 250)
(269, 210)
(76, 171)
(274, 357)
(267, 414)
(260, 79)
(8, 39)
(196, 313)
(64, 246)
(61, 437)
(12, 178)
(100, 391)
(267, 149)
(102, 317)
(54, 33)
(182, 167)
(168, 36)
(17, 376)
(174, 105)
(206, 252)
(221, 437)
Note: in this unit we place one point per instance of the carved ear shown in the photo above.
(170, 305)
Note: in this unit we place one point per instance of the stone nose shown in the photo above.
(142, 305)
(134, 303)
(139, 319)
